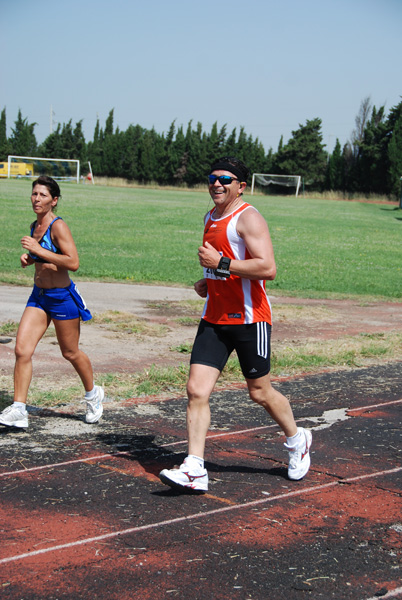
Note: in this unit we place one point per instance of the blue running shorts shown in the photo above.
(61, 304)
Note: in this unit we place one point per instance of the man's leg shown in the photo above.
(275, 403)
(201, 382)
(192, 475)
(298, 440)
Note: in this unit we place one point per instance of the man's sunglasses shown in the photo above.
(223, 179)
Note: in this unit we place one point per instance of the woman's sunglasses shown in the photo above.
(223, 179)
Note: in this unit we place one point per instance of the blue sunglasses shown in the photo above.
(223, 179)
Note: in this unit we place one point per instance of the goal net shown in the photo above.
(63, 169)
(265, 180)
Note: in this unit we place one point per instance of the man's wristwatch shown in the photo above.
(223, 267)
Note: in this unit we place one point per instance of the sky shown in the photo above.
(265, 65)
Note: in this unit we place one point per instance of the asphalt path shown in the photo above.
(98, 296)
(83, 514)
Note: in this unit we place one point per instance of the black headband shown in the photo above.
(225, 166)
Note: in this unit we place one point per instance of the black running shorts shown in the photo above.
(213, 345)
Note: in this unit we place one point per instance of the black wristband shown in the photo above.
(223, 267)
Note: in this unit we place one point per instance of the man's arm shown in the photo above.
(201, 288)
(253, 229)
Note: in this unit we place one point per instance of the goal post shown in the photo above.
(266, 179)
(62, 169)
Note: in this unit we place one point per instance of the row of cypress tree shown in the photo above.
(370, 163)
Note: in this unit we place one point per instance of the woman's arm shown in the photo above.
(26, 260)
(62, 237)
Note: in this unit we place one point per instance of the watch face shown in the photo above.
(222, 272)
(223, 268)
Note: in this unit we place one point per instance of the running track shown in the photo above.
(83, 514)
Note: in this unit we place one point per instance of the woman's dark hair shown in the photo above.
(50, 183)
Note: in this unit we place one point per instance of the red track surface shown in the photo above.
(85, 516)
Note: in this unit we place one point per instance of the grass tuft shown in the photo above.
(123, 322)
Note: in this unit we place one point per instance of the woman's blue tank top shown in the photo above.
(46, 241)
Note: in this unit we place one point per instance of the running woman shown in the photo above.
(237, 257)
(54, 297)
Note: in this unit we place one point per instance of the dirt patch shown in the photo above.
(306, 319)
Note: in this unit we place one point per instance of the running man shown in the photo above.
(237, 257)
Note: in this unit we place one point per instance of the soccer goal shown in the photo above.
(282, 180)
(63, 169)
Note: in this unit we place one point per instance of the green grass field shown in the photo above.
(323, 248)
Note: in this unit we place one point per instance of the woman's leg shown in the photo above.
(68, 336)
(33, 325)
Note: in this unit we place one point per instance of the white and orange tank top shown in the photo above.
(235, 300)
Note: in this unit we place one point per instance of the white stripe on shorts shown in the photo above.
(262, 340)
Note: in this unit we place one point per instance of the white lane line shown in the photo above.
(125, 453)
(198, 515)
(227, 434)
(63, 464)
(375, 406)
(341, 414)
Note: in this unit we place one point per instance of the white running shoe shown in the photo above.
(12, 416)
(299, 456)
(187, 477)
(95, 406)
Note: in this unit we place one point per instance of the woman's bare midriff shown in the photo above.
(49, 276)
